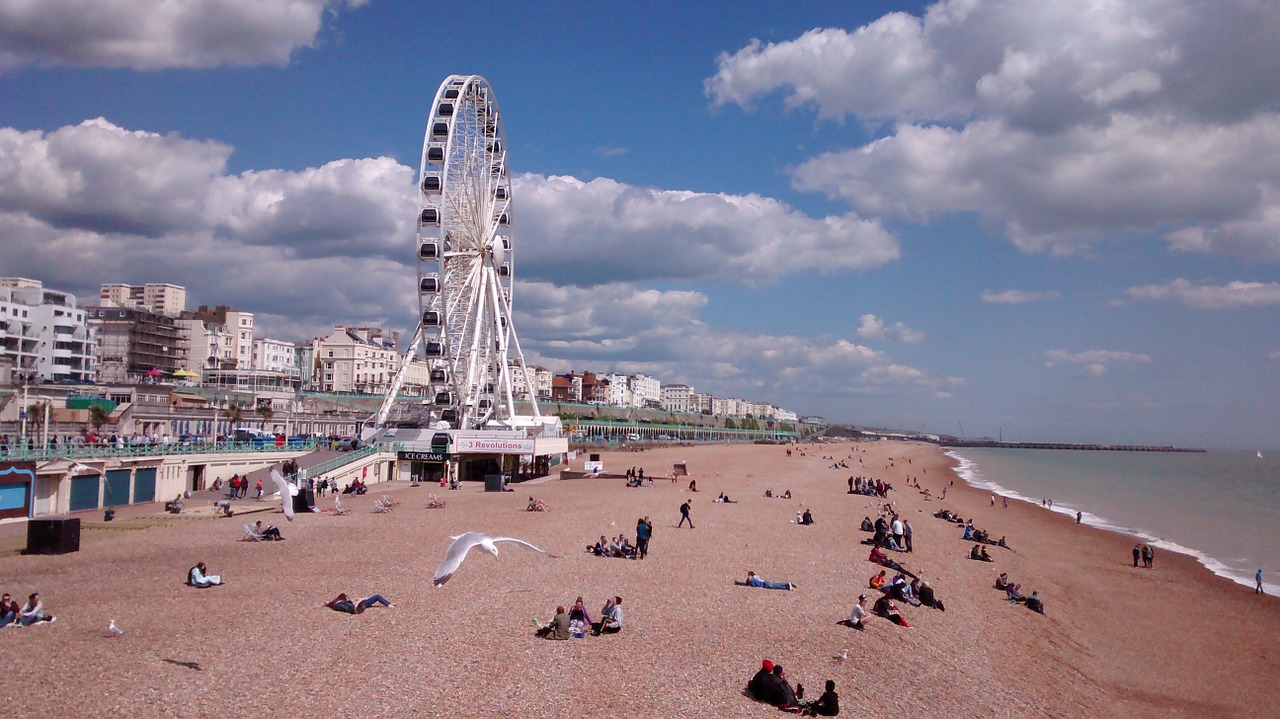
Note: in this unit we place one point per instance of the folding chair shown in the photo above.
(379, 507)
(389, 502)
(251, 534)
(434, 502)
(337, 507)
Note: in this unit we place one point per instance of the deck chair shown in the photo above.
(379, 507)
(389, 502)
(251, 534)
(434, 502)
(337, 506)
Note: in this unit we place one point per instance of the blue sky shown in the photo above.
(1049, 219)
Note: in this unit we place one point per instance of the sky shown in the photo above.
(1042, 220)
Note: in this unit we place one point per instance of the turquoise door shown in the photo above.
(117, 489)
(84, 492)
(144, 485)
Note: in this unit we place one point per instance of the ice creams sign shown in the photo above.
(494, 445)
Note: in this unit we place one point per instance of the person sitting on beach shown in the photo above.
(885, 607)
(197, 577)
(1002, 581)
(786, 494)
(1012, 593)
(980, 553)
(755, 581)
(693, 485)
(929, 599)
(891, 543)
(762, 686)
(724, 499)
(980, 535)
(1034, 604)
(557, 628)
(1001, 543)
(807, 517)
(858, 615)
(536, 505)
(867, 526)
(968, 531)
(33, 612)
(177, 504)
(268, 532)
(911, 593)
(897, 589)
(610, 617)
(8, 610)
(827, 705)
(878, 581)
(341, 603)
(579, 618)
(626, 547)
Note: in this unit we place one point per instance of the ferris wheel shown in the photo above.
(465, 260)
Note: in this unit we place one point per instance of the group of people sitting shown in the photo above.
(805, 517)
(619, 547)
(858, 485)
(724, 499)
(785, 495)
(979, 553)
(576, 622)
(636, 478)
(357, 486)
(770, 685)
(886, 535)
(12, 615)
(1013, 592)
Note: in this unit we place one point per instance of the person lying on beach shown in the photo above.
(885, 607)
(557, 628)
(879, 557)
(755, 581)
(724, 499)
(197, 577)
(341, 603)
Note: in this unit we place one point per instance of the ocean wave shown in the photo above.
(968, 471)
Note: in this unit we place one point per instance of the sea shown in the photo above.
(1221, 506)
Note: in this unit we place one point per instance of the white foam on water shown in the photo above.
(968, 471)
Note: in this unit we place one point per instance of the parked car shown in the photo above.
(345, 444)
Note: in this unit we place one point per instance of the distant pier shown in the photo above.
(992, 444)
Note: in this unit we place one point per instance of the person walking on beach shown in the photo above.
(1148, 556)
(644, 530)
(684, 515)
(906, 535)
(1258, 578)
(1137, 554)
(1079, 516)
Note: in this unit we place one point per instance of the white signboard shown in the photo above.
(593, 466)
(494, 445)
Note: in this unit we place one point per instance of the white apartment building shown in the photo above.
(275, 356)
(45, 332)
(700, 402)
(676, 397)
(208, 345)
(157, 297)
(542, 381)
(356, 359)
(620, 392)
(647, 390)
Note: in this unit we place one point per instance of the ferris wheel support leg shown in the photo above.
(380, 419)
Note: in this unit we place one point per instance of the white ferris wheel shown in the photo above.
(466, 263)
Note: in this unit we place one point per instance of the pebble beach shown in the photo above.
(1173, 641)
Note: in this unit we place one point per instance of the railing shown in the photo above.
(346, 458)
(606, 431)
(89, 451)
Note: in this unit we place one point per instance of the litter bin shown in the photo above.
(304, 500)
(493, 482)
(108, 515)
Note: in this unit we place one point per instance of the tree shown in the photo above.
(235, 413)
(266, 412)
(98, 416)
(729, 423)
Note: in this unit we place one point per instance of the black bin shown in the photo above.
(53, 536)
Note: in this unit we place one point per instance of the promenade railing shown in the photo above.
(96, 451)
(344, 459)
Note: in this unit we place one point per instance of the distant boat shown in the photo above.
(1259, 454)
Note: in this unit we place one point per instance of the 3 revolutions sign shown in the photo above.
(493, 445)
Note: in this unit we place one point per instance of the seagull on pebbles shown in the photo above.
(115, 631)
(286, 493)
(463, 544)
(842, 656)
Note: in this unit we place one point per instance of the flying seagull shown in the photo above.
(115, 631)
(286, 493)
(463, 544)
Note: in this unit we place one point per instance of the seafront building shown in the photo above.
(133, 345)
(44, 333)
(157, 297)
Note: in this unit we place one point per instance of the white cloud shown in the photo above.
(626, 328)
(1274, 355)
(158, 34)
(871, 327)
(1230, 295)
(1055, 122)
(1096, 362)
(633, 233)
(1017, 297)
(610, 151)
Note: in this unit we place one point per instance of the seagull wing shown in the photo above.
(525, 545)
(455, 554)
(286, 497)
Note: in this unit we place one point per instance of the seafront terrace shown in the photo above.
(106, 451)
(594, 430)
